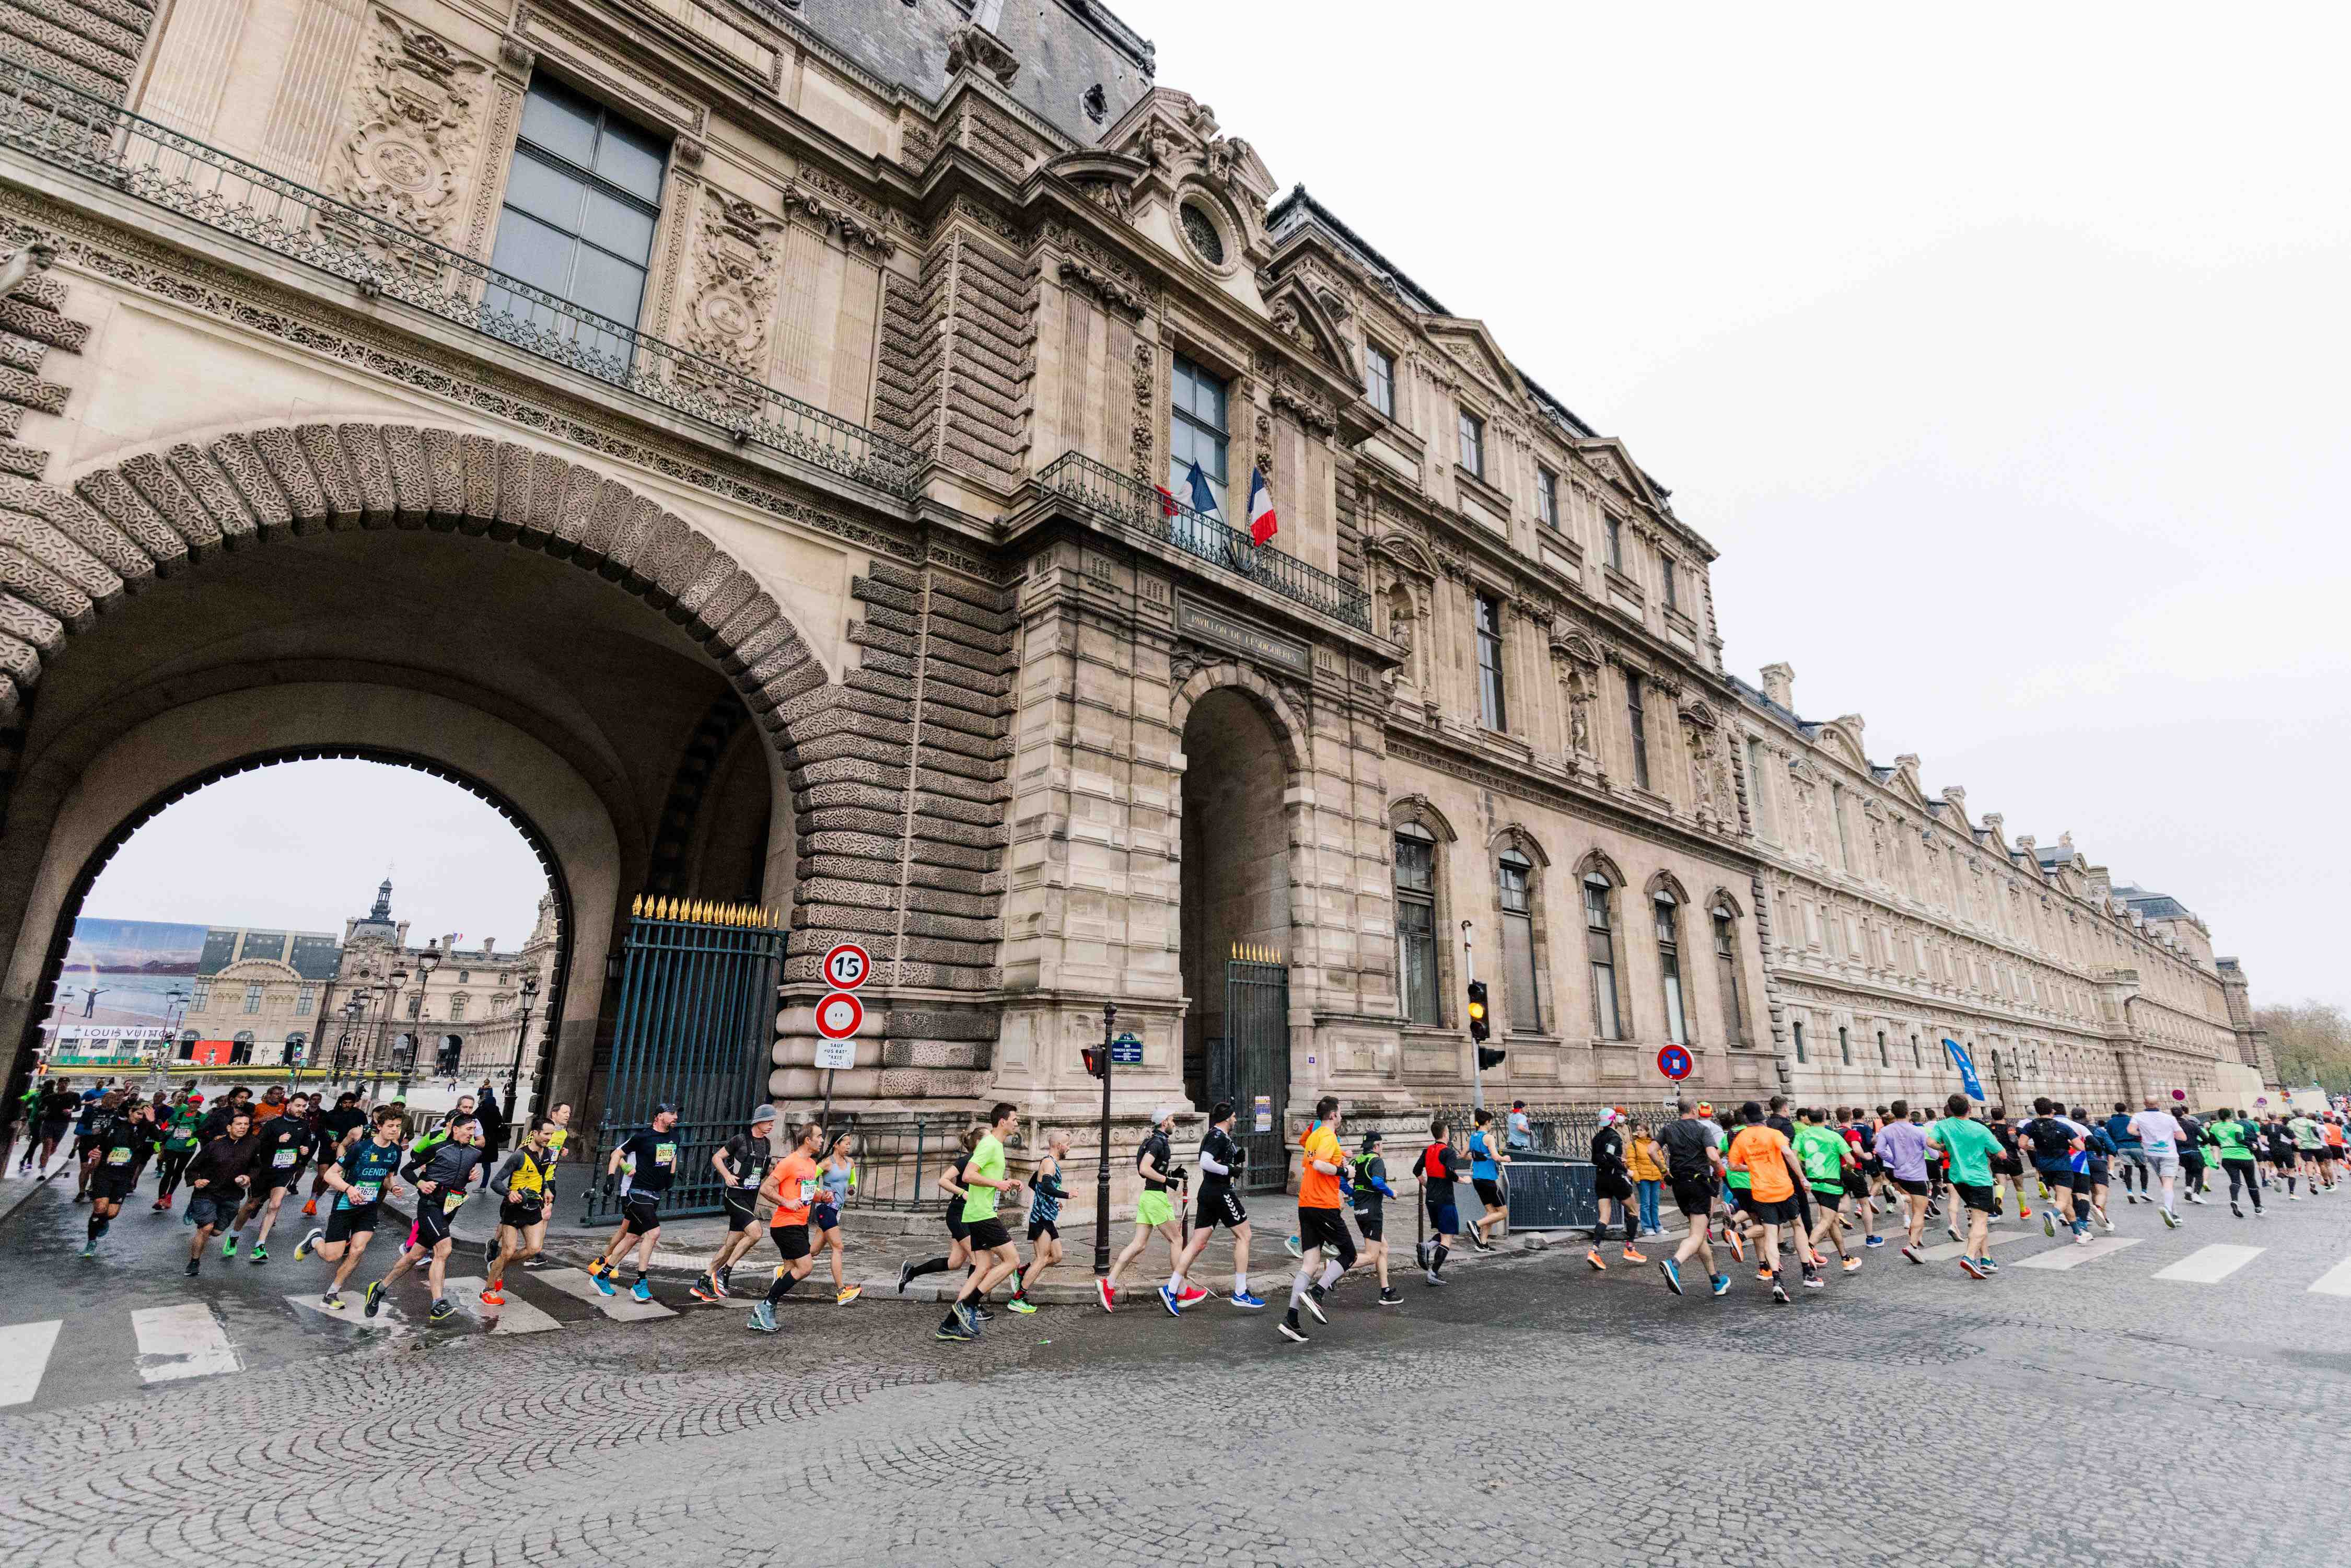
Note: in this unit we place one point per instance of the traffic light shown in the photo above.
(1097, 1065)
(1479, 1028)
(1490, 1057)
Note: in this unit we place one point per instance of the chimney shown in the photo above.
(489, 946)
(1780, 685)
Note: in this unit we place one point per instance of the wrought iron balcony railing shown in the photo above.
(43, 119)
(1106, 493)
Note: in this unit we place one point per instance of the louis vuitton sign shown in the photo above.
(1211, 625)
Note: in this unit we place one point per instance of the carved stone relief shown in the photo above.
(735, 268)
(1142, 436)
(416, 125)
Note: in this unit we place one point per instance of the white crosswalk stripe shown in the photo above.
(621, 1309)
(517, 1316)
(184, 1340)
(2335, 1281)
(1943, 1252)
(24, 1356)
(388, 1320)
(2211, 1265)
(2075, 1254)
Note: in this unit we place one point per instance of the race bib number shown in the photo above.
(365, 1192)
(449, 1206)
(118, 1157)
(284, 1157)
(809, 1188)
(664, 1154)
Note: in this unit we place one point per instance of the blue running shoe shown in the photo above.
(602, 1283)
(1167, 1298)
(640, 1292)
(1244, 1300)
(1721, 1284)
(1673, 1275)
(1875, 1241)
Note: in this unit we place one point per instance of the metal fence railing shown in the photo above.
(1115, 497)
(44, 119)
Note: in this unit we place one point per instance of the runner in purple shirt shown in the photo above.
(1902, 1145)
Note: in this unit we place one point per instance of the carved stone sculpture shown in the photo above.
(973, 47)
(734, 269)
(416, 122)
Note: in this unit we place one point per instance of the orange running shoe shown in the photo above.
(1593, 1257)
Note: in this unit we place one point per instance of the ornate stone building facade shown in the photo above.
(784, 416)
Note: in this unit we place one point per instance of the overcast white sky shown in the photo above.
(2002, 355)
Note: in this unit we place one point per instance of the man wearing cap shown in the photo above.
(1154, 1211)
(653, 1157)
(1519, 1135)
(741, 1166)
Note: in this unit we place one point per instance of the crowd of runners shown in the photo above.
(1787, 1186)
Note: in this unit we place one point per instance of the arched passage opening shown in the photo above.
(358, 591)
(1235, 898)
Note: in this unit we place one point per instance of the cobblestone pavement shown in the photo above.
(1531, 1413)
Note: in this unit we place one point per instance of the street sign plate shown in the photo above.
(838, 1016)
(847, 965)
(1126, 1050)
(1674, 1062)
(836, 1054)
(1263, 1118)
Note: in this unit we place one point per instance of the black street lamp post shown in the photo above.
(522, 1035)
(1101, 1173)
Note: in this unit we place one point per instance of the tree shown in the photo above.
(2312, 1041)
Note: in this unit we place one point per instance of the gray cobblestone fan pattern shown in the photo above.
(1528, 1415)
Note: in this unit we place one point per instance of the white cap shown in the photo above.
(1167, 1114)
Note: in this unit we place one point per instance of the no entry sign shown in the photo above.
(838, 1016)
(847, 965)
(1674, 1062)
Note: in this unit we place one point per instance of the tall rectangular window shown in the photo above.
(1473, 444)
(1884, 1058)
(1490, 711)
(253, 996)
(1665, 577)
(1799, 1030)
(1415, 896)
(1379, 379)
(1845, 1044)
(201, 998)
(1616, 530)
(1916, 1060)
(581, 200)
(1195, 432)
(1600, 945)
(1547, 498)
(1636, 716)
(1669, 963)
(1519, 943)
(1726, 972)
(308, 1000)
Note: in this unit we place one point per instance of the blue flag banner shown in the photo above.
(1967, 1066)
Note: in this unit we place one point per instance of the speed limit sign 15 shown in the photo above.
(847, 965)
(838, 1015)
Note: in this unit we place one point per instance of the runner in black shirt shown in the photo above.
(742, 1166)
(653, 1155)
(125, 1138)
(1693, 1163)
(283, 1146)
(1222, 1159)
(1372, 1192)
(217, 1177)
(442, 1175)
(334, 1125)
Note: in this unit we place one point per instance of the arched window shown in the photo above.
(1669, 963)
(1416, 917)
(240, 1048)
(1525, 1002)
(1726, 973)
(1600, 944)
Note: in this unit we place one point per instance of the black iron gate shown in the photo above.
(1251, 1062)
(696, 1027)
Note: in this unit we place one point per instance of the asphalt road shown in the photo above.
(1530, 1413)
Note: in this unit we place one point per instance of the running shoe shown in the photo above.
(1738, 1247)
(228, 1246)
(972, 1315)
(1434, 1278)
(762, 1319)
(700, 1290)
(1289, 1245)
(1952, 1231)
(1420, 1255)
(2025, 1213)
(1673, 1273)
(1913, 1253)
(1246, 1302)
(1974, 1271)
(1290, 1330)
(726, 1281)
(640, 1290)
(2048, 1222)
(1812, 1280)
(1477, 1238)
(2081, 1237)
(439, 1308)
(259, 1254)
(1193, 1296)
(1721, 1283)
(2170, 1221)
(1849, 1264)
(2130, 1197)
(1633, 1255)
(310, 1210)
(950, 1331)
(1020, 1305)
(90, 1248)
(159, 1205)
(192, 1268)
(1167, 1298)
(1592, 1256)
(302, 1247)
(1389, 1297)
(604, 1286)
(534, 1263)
(332, 1301)
(1103, 1289)
(2107, 1221)
(1315, 1307)
(1874, 1241)
(849, 1293)
(494, 1296)
(1987, 1265)
(374, 1299)
(1779, 1294)
(905, 1275)
(1763, 1273)
(2234, 1207)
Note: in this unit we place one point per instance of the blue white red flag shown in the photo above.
(1260, 511)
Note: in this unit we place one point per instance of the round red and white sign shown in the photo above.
(838, 1016)
(847, 965)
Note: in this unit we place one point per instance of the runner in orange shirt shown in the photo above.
(1765, 1155)
(791, 1186)
(1323, 1243)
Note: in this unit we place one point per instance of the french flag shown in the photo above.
(1262, 526)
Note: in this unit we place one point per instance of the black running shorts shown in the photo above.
(987, 1235)
(342, 1224)
(1694, 1195)
(640, 1213)
(1220, 1209)
(1326, 1228)
(1979, 1198)
(791, 1239)
(742, 1207)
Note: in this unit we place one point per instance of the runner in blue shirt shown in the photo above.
(1485, 1177)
